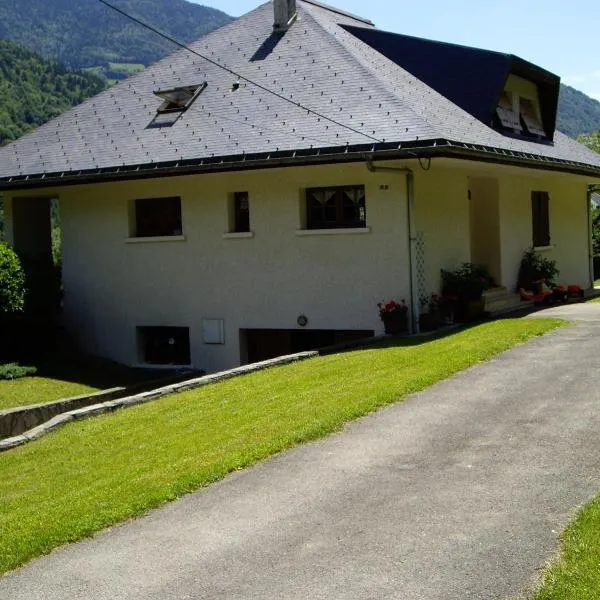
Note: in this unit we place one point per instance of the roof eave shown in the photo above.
(439, 148)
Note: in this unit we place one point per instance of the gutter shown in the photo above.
(438, 148)
(412, 238)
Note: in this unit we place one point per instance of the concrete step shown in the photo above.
(494, 293)
(500, 302)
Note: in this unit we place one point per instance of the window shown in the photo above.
(506, 113)
(530, 118)
(157, 217)
(540, 217)
(164, 345)
(241, 212)
(335, 207)
(175, 103)
(519, 109)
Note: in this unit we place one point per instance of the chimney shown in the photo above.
(285, 14)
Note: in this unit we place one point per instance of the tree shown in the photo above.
(12, 281)
(591, 140)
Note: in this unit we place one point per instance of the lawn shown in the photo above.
(33, 389)
(576, 574)
(91, 474)
(69, 376)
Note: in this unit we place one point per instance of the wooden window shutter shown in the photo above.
(540, 217)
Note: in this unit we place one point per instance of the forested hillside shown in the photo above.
(34, 90)
(577, 113)
(87, 34)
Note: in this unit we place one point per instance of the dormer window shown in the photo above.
(506, 113)
(518, 109)
(530, 117)
(175, 102)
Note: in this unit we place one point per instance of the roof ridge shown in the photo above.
(339, 11)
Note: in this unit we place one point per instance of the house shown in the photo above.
(261, 193)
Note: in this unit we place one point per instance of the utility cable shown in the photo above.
(232, 72)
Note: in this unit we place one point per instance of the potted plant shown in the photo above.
(536, 271)
(394, 316)
(467, 284)
(430, 318)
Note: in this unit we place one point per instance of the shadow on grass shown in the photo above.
(101, 373)
(408, 341)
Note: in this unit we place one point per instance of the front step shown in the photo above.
(498, 300)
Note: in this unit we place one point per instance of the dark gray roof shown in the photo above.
(316, 64)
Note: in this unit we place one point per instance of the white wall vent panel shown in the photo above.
(213, 331)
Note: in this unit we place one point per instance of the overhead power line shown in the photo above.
(232, 72)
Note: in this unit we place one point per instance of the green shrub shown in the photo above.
(12, 281)
(467, 282)
(534, 268)
(15, 371)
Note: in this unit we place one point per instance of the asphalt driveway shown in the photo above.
(459, 492)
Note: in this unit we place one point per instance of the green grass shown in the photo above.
(91, 474)
(576, 574)
(32, 389)
(69, 376)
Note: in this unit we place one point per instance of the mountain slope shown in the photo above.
(86, 33)
(577, 113)
(34, 90)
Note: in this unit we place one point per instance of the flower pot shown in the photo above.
(396, 324)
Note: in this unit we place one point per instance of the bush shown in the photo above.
(535, 268)
(12, 281)
(468, 282)
(15, 371)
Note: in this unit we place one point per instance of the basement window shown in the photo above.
(175, 102)
(164, 345)
(156, 217)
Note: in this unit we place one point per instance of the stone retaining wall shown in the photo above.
(101, 402)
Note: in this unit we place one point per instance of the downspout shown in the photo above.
(412, 239)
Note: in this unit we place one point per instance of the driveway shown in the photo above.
(457, 493)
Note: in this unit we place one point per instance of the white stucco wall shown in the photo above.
(568, 225)
(266, 281)
(442, 220)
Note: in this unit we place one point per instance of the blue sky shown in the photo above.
(560, 36)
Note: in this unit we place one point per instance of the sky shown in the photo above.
(563, 37)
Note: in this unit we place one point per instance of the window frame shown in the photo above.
(144, 219)
(241, 216)
(339, 208)
(540, 219)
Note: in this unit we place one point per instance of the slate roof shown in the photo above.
(470, 77)
(317, 64)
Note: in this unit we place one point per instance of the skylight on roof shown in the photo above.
(178, 98)
(175, 102)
